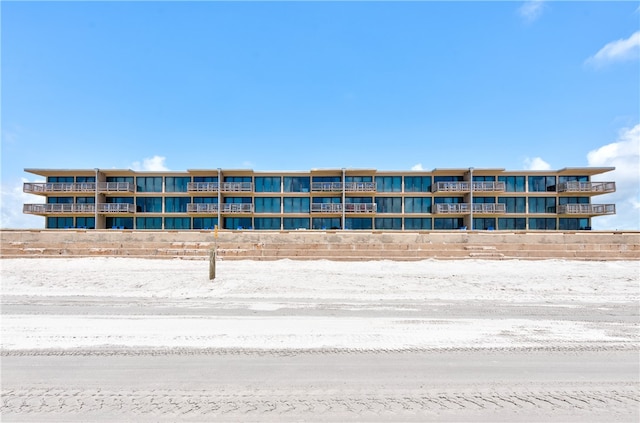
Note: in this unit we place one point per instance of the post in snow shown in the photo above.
(212, 255)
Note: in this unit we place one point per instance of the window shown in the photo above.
(59, 222)
(573, 200)
(265, 223)
(86, 222)
(416, 224)
(292, 223)
(326, 223)
(358, 179)
(149, 184)
(483, 178)
(120, 222)
(205, 200)
(85, 200)
(149, 204)
(358, 223)
(417, 205)
(296, 204)
(176, 184)
(267, 205)
(513, 183)
(177, 223)
(237, 200)
(176, 204)
(542, 183)
(389, 204)
(513, 204)
(542, 223)
(574, 224)
(447, 178)
(84, 179)
(127, 179)
(484, 200)
(119, 200)
(448, 200)
(268, 184)
(237, 223)
(59, 200)
(327, 179)
(205, 222)
(518, 223)
(391, 223)
(574, 178)
(542, 205)
(484, 224)
(417, 183)
(358, 200)
(296, 184)
(60, 179)
(148, 223)
(205, 179)
(389, 183)
(448, 223)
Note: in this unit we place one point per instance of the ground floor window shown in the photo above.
(148, 223)
(205, 222)
(267, 223)
(326, 223)
(120, 222)
(393, 223)
(484, 224)
(448, 223)
(177, 223)
(293, 223)
(574, 224)
(238, 223)
(86, 222)
(59, 222)
(359, 223)
(512, 223)
(417, 223)
(542, 223)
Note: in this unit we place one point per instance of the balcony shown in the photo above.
(237, 187)
(237, 208)
(203, 187)
(58, 187)
(360, 187)
(108, 187)
(587, 187)
(58, 208)
(208, 208)
(587, 209)
(465, 186)
(109, 208)
(465, 208)
(326, 186)
(326, 208)
(360, 207)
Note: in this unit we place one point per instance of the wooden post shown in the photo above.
(212, 264)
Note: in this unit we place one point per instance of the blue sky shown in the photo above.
(301, 85)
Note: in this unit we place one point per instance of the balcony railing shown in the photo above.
(326, 186)
(360, 186)
(59, 208)
(54, 187)
(465, 186)
(326, 208)
(587, 187)
(360, 207)
(465, 208)
(587, 209)
(116, 207)
(115, 187)
(203, 186)
(237, 208)
(209, 208)
(237, 187)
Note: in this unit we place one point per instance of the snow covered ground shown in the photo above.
(565, 329)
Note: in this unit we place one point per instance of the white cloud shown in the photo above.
(531, 10)
(152, 164)
(536, 164)
(12, 198)
(617, 51)
(417, 167)
(624, 154)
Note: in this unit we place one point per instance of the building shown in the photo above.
(320, 199)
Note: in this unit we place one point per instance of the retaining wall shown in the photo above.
(331, 245)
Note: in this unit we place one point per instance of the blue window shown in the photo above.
(120, 222)
(574, 224)
(238, 223)
(326, 200)
(119, 200)
(542, 183)
(358, 223)
(358, 179)
(416, 224)
(205, 200)
(83, 179)
(573, 200)
(448, 223)
(149, 204)
(326, 223)
(267, 205)
(59, 222)
(483, 178)
(389, 204)
(513, 205)
(237, 200)
(484, 200)
(268, 184)
(86, 222)
(296, 204)
(205, 222)
(205, 179)
(417, 183)
(389, 183)
(177, 223)
(266, 223)
(126, 179)
(542, 205)
(60, 179)
(149, 184)
(483, 224)
(573, 178)
(59, 200)
(448, 178)
(176, 204)
(358, 200)
(392, 223)
(417, 205)
(513, 183)
(176, 184)
(448, 200)
(85, 200)
(542, 223)
(292, 223)
(296, 184)
(148, 223)
(512, 223)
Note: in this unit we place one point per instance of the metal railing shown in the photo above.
(326, 186)
(203, 186)
(587, 187)
(489, 186)
(65, 208)
(45, 187)
(202, 208)
(237, 208)
(360, 207)
(465, 208)
(465, 186)
(237, 187)
(115, 187)
(360, 186)
(116, 208)
(589, 209)
(326, 208)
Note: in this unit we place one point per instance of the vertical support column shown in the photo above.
(471, 198)
(95, 201)
(219, 198)
(344, 196)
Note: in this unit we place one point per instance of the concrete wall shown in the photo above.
(332, 245)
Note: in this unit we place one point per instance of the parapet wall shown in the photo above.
(331, 245)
